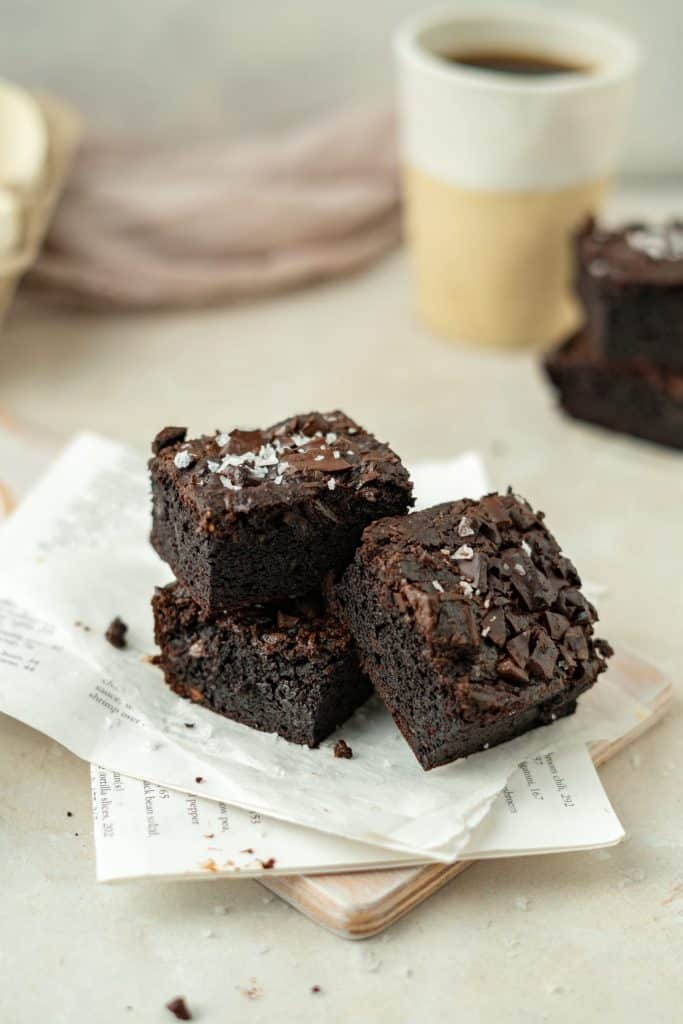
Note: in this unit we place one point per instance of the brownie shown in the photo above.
(470, 623)
(254, 516)
(291, 669)
(634, 398)
(631, 284)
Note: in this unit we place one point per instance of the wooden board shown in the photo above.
(359, 905)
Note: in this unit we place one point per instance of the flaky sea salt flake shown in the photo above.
(229, 485)
(464, 528)
(183, 460)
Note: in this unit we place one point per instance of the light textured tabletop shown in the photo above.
(601, 937)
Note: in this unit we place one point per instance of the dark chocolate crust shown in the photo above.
(631, 284)
(257, 516)
(470, 623)
(633, 398)
(291, 669)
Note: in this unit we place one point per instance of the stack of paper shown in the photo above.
(221, 798)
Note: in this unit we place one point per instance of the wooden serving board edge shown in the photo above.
(358, 905)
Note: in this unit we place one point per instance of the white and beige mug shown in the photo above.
(500, 169)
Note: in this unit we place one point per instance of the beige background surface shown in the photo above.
(182, 67)
(602, 938)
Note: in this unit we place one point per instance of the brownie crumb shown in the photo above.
(199, 778)
(69, 814)
(267, 864)
(315, 989)
(116, 633)
(178, 1008)
(168, 436)
(342, 749)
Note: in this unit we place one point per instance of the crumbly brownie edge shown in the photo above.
(395, 658)
(256, 567)
(301, 700)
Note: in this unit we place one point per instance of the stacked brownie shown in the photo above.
(251, 522)
(624, 370)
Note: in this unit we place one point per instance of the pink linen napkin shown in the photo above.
(145, 225)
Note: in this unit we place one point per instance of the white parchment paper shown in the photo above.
(76, 553)
(555, 802)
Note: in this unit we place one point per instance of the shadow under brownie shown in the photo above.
(255, 516)
(470, 623)
(291, 669)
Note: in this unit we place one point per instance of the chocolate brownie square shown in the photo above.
(253, 516)
(631, 283)
(291, 669)
(471, 624)
(634, 398)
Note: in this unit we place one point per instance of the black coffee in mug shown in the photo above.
(516, 63)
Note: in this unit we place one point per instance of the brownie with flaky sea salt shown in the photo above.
(471, 624)
(631, 284)
(290, 668)
(253, 516)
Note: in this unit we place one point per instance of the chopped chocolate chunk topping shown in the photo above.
(342, 749)
(557, 624)
(518, 649)
(493, 626)
(116, 633)
(510, 670)
(242, 442)
(179, 1008)
(544, 656)
(167, 437)
(508, 587)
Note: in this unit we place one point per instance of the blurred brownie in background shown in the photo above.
(634, 397)
(624, 369)
(631, 283)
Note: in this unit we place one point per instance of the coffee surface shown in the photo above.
(516, 63)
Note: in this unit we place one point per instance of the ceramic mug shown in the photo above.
(500, 169)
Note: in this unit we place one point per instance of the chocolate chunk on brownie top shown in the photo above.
(290, 668)
(257, 515)
(470, 623)
(635, 397)
(631, 283)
